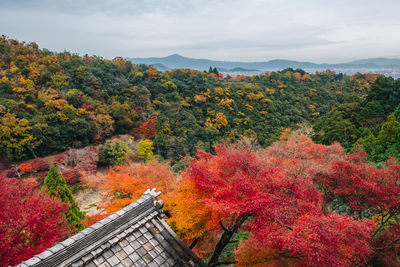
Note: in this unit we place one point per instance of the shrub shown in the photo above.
(40, 164)
(10, 173)
(179, 166)
(25, 167)
(60, 158)
(113, 153)
(88, 161)
(75, 163)
(70, 174)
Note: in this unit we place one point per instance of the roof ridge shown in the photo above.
(146, 207)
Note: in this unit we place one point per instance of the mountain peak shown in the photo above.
(175, 56)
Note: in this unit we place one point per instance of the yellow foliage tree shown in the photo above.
(15, 137)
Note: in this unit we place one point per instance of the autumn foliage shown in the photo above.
(25, 167)
(277, 203)
(303, 204)
(124, 184)
(147, 130)
(30, 221)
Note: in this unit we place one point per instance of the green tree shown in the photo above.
(113, 153)
(124, 116)
(390, 132)
(145, 150)
(56, 186)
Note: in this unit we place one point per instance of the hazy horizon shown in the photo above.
(237, 30)
(260, 60)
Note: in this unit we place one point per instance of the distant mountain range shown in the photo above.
(178, 61)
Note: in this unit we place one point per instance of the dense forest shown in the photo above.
(239, 186)
(371, 121)
(56, 101)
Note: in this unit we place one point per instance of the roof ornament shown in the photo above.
(158, 204)
(153, 192)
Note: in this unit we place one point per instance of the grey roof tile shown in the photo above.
(148, 246)
(158, 249)
(87, 230)
(131, 238)
(87, 257)
(160, 260)
(56, 248)
(141, 251)
(153, 264)
(78, 236)
(148, 235)
(142, 240)
(67, 242)
(32, 261)
(135, 244)
(137, 234)
(99, 260)
(123, 243)
(128, 249)
(140, 263)
(134, 257)
(113, 260)
(44, 254)
(91, 264)
(127, 262)
(121, 255)
(105, 246)
(153, 253)
(116, 248)
(105, 264)
(147, 258)
(77, 264)
(108, 254)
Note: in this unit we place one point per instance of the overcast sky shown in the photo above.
(242, 30)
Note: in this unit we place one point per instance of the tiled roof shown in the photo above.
(134, 236)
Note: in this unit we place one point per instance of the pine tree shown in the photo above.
(215, 70)
(56, 185)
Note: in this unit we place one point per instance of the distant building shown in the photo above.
(134, 236)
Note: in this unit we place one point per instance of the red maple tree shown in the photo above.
(30, 221)
(249, 190)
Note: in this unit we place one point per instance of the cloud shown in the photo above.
(251, 30)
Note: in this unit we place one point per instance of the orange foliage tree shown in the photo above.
(124, 184)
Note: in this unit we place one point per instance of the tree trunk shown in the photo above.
(226, 238)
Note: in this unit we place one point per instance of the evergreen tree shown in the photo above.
(56, 185)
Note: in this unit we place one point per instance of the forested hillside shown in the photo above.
(55, 101)
(371, 122)
(239, 186)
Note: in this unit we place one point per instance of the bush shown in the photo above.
(113, 153)
(179, 166)
(39, 164)
(71, 175)
(25, 167)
